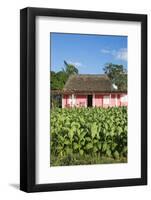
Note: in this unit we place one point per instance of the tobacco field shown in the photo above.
(88, 136)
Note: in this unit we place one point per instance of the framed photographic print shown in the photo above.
(83, 99)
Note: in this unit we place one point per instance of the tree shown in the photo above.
(58, 79)
(117, 74)
(70, 69)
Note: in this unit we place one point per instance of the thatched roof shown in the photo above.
(88, 83)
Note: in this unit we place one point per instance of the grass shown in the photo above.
(77, 159)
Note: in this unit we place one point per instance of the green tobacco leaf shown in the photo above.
(61, 138)
(67, 142)
(113, 146)
(116, 155)
(89, 146)
(120, 130)
(81, 152)
(71, 133)
(106, 126)
(99, 145)
(69, 150)
(125, 129)
(75, 146)
(82, 135)
(125, 150)
(108, 152)
(93, 129)
(104, 147)
(95, 149)
(88, 139)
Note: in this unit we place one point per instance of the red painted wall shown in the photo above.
(98, 100)
(81, 100)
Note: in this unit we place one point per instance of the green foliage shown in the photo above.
(88, 133)
(70, 69)
(58, 79)
(117, 74)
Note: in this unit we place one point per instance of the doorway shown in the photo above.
(89, 101)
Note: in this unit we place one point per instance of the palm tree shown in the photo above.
(70, 69)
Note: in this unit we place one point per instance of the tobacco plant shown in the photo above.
(93, 132)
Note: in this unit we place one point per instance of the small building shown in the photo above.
(92, 91)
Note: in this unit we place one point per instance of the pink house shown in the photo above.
(92, 91)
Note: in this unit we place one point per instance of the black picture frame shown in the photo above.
(28, 99)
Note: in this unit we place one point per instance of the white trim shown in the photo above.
(73, 100)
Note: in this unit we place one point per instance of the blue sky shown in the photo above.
(89, 53)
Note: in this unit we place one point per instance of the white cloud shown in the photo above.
(77, 64)
(120, 54)
(105, 51)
